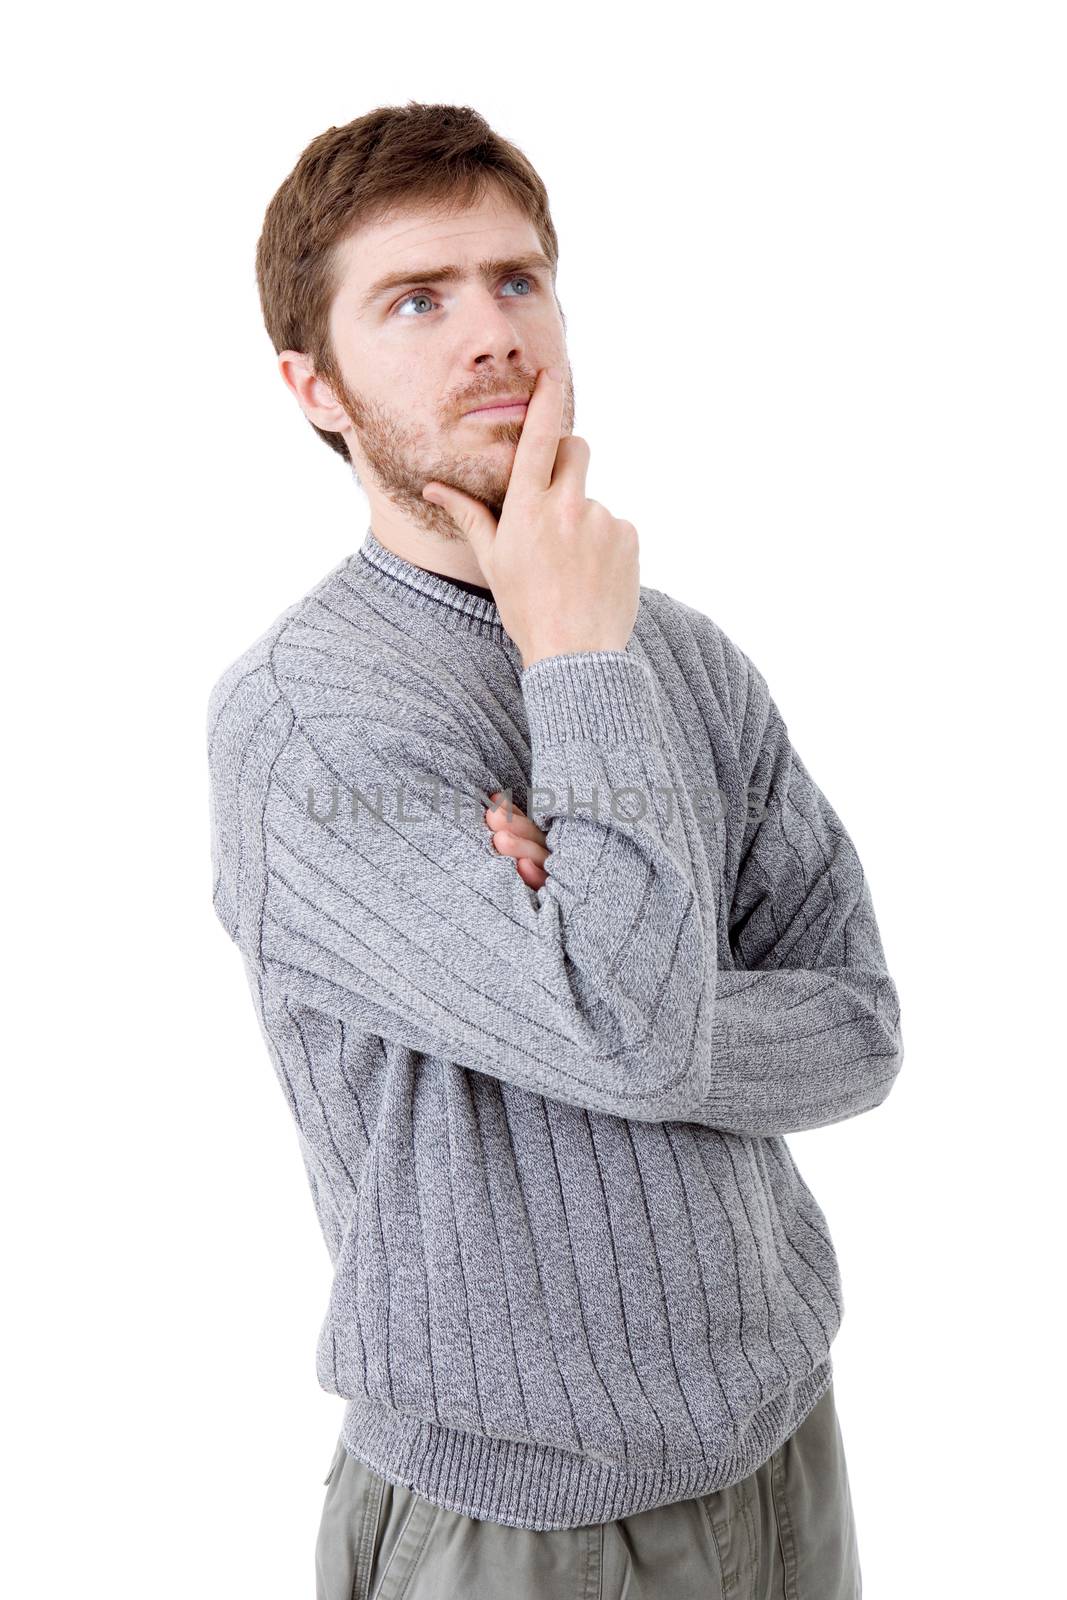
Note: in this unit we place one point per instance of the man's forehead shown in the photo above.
(418, 240)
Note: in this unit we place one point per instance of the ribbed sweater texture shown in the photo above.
(576, 1271)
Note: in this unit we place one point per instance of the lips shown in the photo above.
(508, 400)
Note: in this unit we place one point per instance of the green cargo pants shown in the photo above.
(786, 1532)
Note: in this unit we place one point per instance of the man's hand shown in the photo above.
(563, 570)
(521, 838)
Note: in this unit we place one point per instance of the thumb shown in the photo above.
(470, 515)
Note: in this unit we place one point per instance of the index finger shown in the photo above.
(535, 454)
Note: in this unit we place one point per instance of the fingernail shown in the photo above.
(554, 372)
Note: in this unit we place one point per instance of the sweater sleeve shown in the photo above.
(806, 1029)
(596, 989)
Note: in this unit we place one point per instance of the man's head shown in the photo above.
(386, 363)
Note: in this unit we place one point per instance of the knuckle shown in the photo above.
(566, 510)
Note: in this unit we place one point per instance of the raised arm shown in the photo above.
(597, 988)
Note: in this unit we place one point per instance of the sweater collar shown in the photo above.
(428, 591)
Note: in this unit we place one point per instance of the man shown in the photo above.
(553, 939)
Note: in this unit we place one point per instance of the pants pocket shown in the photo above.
(348, 1537)
(407, 1526)
(440, 1552)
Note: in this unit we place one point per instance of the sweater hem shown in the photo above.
(538, 1486)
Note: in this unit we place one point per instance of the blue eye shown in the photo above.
(424, 294)
(419, 294)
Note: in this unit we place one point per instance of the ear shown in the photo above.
(315, 397)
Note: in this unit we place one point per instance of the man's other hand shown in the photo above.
(519, 837)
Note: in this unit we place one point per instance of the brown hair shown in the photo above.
(393, 158)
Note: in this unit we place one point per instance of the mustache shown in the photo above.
(515, 395)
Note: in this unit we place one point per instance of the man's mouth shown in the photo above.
(498, 409)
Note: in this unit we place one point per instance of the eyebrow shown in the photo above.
(450, 274)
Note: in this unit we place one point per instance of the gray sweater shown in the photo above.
(577, 1273)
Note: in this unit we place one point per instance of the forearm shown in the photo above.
(591, 990)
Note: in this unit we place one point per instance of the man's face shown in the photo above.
(416, 356)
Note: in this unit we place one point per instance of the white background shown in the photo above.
(813, 267)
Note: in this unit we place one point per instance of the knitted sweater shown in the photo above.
(577, 1273)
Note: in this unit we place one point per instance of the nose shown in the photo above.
(489, 332)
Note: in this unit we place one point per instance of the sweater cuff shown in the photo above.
(606, 696)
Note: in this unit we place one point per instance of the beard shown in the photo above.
(402, 462)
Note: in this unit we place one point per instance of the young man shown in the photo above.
(542, 1064)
